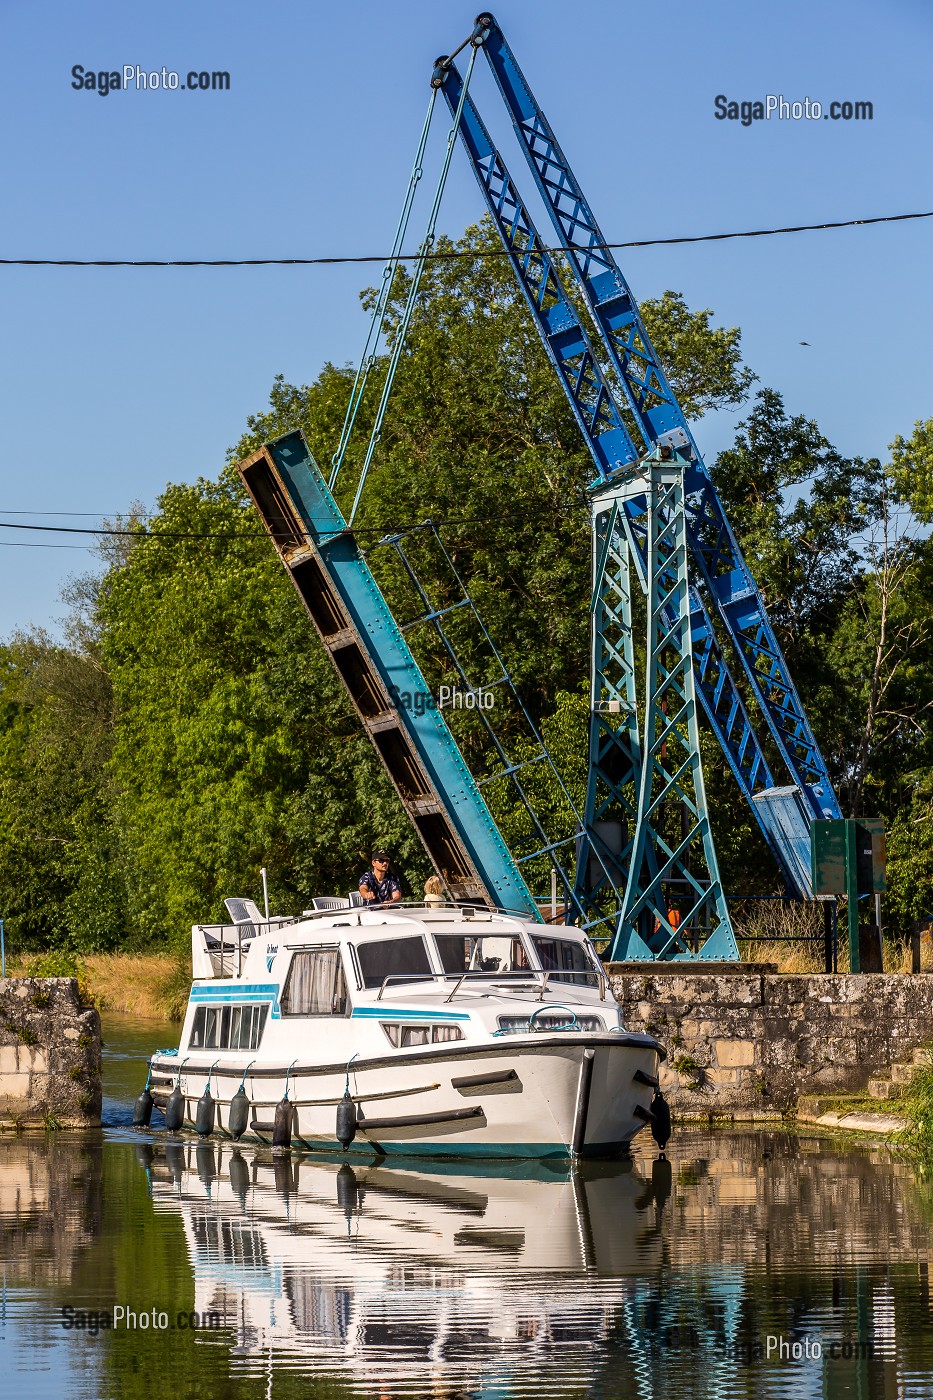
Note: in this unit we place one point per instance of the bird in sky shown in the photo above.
(803, 342)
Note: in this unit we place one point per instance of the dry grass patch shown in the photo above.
(152, 986)
(775, 931)
(134, 983)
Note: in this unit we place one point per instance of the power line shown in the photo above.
(380, 530)
(450, 255)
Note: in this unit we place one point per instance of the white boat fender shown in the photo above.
(142, 1108)
(238, 1116)
(284, 1113)
(347, 1192)
(204, 1118)
(346, 1112)
(660, 1119)
(175, 1107)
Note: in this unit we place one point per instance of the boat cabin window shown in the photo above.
(403, 1036)
(398, 958)
(316, 985)
(490, 952)
(227, 1027)
(566, 961)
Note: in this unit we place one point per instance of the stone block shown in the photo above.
(9, 1059)
(34, 1059)
(14, 1086)
(730, 1053)
(722, 1076)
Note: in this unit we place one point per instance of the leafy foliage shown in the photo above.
(912, 469)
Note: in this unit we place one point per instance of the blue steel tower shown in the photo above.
(628, 413)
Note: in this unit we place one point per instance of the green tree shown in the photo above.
(60, 876)
(912, 469)
(234, 746)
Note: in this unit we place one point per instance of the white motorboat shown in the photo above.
(431, 1031)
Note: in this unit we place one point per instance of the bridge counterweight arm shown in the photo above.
(568, 346)
(654, 405)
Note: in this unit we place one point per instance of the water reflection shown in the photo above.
(648, 1278)
(51, 1206)
(630, 1278)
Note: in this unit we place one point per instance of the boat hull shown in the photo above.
(546, 1096)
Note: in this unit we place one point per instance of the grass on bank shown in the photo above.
(916, 1105)
(151, 986)
(790, 935)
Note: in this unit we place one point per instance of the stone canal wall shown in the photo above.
(49, 1055)
(748, 1044)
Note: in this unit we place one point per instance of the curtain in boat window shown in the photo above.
(316, 985)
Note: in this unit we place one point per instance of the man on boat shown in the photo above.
(379, 885)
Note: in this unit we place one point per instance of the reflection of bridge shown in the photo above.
(625, 1280)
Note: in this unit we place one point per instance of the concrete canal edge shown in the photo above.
(750, 1045)
(50, 1055)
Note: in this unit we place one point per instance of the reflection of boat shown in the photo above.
(448, 1031)
(382, 1270)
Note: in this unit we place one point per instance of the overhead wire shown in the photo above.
(453, 254)
(382, 530)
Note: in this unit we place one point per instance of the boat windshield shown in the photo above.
(566, 960)
(490, 952)
(398, 958)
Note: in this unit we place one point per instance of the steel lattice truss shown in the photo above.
(625, 408)
(673, 901)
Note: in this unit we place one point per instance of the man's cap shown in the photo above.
(380, 853)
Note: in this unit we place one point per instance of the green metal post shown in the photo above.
(852, 894)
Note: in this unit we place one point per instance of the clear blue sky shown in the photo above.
(115, 381)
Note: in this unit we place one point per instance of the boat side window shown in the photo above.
(490, 952)
(566, 960)
(315, 985)
(227, 1027)
(403, 1036)
(393, 957)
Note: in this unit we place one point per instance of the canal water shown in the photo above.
(743, 1264)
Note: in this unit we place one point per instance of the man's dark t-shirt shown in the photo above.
(383, 890)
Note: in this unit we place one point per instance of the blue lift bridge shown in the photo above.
(637, 865)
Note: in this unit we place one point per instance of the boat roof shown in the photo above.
(453, 917)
